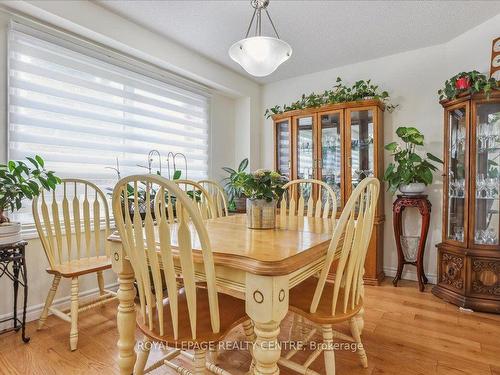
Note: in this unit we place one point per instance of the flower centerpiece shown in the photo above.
(410, 172)
(262, 189)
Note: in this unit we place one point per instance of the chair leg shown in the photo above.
(199, 362)
(48, 301)
(329, 351)
(360, 318)
(353, 323)
(100, 282)
(250, 335)
(73, 335)
(142, 357)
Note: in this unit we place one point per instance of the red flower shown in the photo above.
(462, 83)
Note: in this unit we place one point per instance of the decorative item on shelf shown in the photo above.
(260, 55)
(19, 181)
(410, 173)
(467, 82)
(262, 189)
(237, 200)
(495, 59)
(341, 93)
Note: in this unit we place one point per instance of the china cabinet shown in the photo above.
(340, 144)
(469, 255)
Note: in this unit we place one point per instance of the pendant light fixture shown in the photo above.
(260, 55)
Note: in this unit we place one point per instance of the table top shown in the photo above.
(294, 243)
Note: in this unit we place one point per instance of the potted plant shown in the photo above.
(262, 189)
(237, 200)
(467, 82)
(19, 181)
(410, 172)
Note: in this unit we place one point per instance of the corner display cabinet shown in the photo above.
(469, 256)
(340, 144)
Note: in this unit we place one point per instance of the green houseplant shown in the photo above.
(410, 172)
(262, 189)
(467, 82)
(19, 181)
(233, 188)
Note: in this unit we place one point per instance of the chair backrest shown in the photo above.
(349, 246)
(218, 196)
(199, 196)
(68, 221)
(147, 244)
(293, 201)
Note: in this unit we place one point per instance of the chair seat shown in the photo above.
(231, 312)
(302, 295)
(81, 266)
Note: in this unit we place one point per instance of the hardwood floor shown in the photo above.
(406, 332)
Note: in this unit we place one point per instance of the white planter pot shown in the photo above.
(10, 233)
(415, 188)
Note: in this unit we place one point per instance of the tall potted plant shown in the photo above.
(410, 172)
(237, 200)
(262, 189)
(19, 181)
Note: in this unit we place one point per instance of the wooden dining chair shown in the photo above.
(327, 303)
(200, 197)
(297, 200)
(68, 221)
(218, 195)
(185, 316)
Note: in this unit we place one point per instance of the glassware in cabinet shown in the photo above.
(362, 149)
(305, 149)
(283, 147)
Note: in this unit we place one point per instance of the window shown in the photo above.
(82, 113)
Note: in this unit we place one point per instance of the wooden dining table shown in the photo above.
(259, 266)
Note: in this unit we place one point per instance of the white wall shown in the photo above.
(412, 79)
(234, 95)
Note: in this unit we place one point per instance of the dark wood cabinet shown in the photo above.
(340, 144)
(469, 255)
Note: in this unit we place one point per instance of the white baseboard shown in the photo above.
(33, 312)
(409, 274)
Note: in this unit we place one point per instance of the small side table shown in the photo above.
(14, 255)
(424, 207)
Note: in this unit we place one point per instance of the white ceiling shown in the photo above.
(323, 34)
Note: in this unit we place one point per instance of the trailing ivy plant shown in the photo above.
(340, 93)
(19, 181)
(467, 82)
(408, 165)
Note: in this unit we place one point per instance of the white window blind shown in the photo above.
(81, 113)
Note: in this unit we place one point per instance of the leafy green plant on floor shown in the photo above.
(340, 93)
(409, 166)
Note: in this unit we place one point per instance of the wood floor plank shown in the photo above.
(406, 333)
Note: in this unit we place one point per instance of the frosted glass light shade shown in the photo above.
(260, 55)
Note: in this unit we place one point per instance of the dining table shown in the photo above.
(257, 265)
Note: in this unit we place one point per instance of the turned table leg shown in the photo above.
(125, 316)
(267, 305)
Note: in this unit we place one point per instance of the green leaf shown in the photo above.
(40, 160)
(229, 170)
(243, 165)
(391, 146)
(33, 161)
(434, 158)
(12, 165)
(177, 175)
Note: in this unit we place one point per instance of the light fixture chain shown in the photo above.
(272, 23)
(251, 22)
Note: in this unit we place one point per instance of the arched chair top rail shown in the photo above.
(206, 206)
(349, 246)
(218, 196)
(65, 218)
(313, 208)
(145, 249)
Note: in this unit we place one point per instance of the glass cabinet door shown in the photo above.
(305, 147)
(330, 154)
(456, 176)
(486, 185)
(362, 156)
(283, 161)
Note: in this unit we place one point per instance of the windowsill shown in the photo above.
(29, 232)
